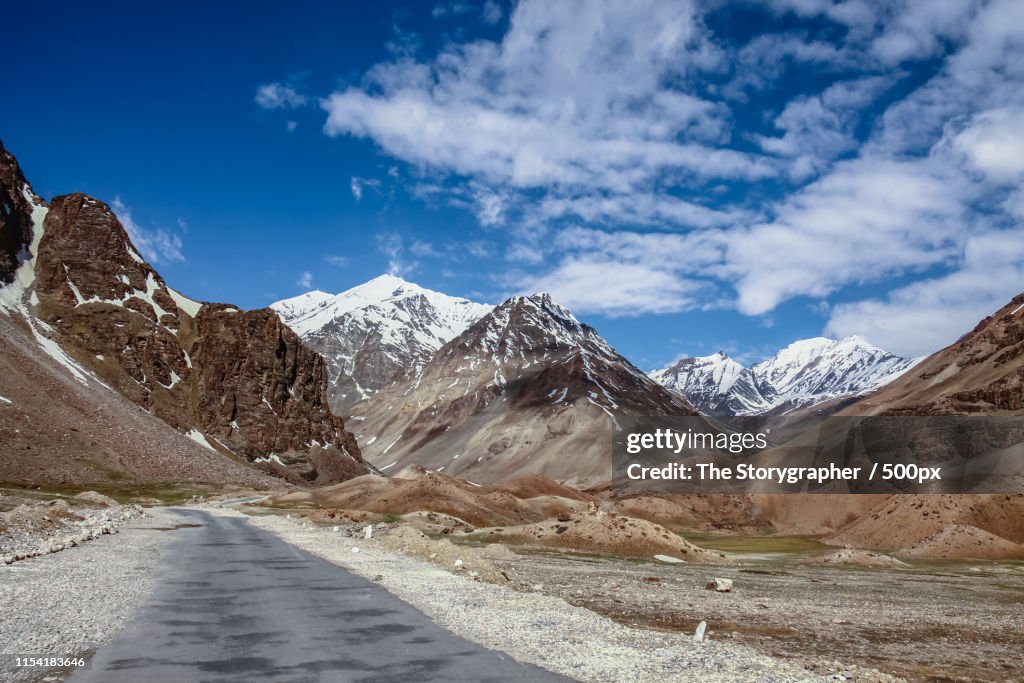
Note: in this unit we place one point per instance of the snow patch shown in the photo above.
(198, 437)
(189, 306)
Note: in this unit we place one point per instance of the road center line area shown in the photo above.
(236, 603)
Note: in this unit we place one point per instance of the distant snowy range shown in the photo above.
(388, 329)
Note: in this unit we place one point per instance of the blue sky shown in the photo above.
(687, 177)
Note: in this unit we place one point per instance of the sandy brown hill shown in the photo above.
(602, 533)
(905, 521)
(982, 373)
(424, 490)
(527, 389)
(240, 381)
(957, 541)
(535, 486)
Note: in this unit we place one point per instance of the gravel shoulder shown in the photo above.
(533, 627)
(67, 603)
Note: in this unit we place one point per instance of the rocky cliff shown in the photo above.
(238, 382)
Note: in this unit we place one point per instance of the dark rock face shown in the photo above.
(240, 378)
(260, 391)
(15, 213)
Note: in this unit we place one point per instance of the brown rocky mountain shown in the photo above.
(527, 389)
(982, 372)
(59, 428)
(237, 382)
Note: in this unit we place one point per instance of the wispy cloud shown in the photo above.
(357, 185)
(615, 144)
(305, 280)
(279, 96)
(157, 244)
(490, 12)
(392, 245)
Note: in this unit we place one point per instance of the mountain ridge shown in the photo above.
(519, 389)
(804, 374)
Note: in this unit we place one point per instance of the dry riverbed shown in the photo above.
(933, 622)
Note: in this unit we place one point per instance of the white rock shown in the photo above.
(355, 550)
(698, 635)
(719, 584)
(669, 559)
(368, 531)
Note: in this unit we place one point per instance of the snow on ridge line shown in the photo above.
(190, 306)
(384, 300)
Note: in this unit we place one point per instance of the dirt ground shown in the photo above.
(937, 621)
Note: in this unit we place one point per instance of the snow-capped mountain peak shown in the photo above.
(805, 373)
(375, 330)
(703, 379)
(519, 388)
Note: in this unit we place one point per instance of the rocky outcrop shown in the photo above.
(238, 382)
(981, 373)
(258, 390)
(15, 216)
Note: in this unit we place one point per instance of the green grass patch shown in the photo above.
(758, 544)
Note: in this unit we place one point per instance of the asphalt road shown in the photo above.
(236, 603)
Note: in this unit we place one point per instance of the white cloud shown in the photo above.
(994, 144)
(447, 9)
(336, 261)
(305, 280)
(279, 96)
(604, 114)
(423, 248)
(637, 209)
(156, 244)
(629, 273)
(626, 288)
(926, 315)
(919, 29)
(866, 220)
(392, 245)
(491, 12)
(819, 128)
(555, 103)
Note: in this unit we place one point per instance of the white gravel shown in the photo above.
(67, 603)
(535, 628)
